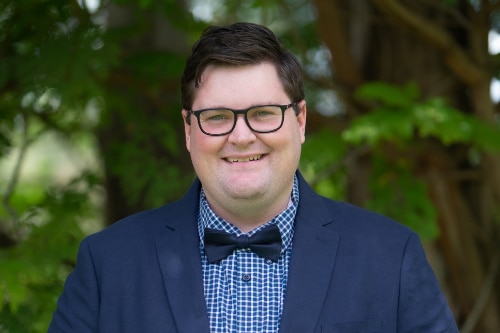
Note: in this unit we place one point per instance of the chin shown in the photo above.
(246, 193)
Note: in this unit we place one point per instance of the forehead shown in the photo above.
(239, 87)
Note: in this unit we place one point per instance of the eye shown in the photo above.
(216, 116)
(264, 112)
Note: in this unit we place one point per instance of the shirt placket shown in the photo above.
(249, 292)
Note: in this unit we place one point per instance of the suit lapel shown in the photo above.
(179, 260)
(313, 256)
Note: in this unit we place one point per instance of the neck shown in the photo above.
(248, 216)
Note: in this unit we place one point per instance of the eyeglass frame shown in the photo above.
(244, 112)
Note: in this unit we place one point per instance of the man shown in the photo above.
(251, 247)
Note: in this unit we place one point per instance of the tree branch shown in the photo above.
(332, 32)
(484, 296)
(6, 239)
(454, 56)
(7, 195)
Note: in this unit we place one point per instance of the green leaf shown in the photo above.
(401, 118)
(403, 197)
(320, 163)
(380, 125)
(387, 94)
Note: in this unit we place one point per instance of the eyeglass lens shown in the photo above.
(259, 119)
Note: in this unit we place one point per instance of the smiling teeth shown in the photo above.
(253, 158)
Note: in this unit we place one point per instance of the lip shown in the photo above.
(244, 159)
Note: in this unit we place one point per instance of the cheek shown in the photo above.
(196, 142)
(294, 137)
(200, 145)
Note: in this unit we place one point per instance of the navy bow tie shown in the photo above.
(265, 243)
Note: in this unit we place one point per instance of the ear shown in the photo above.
(187, 128)
(301, 120)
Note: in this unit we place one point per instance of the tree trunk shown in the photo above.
(135, 110)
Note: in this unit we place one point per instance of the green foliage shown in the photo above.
(151, 66)
(53, 44)
(321, 163)
(56, 68)
(400, 117)
(389, 95)
(402, 196)
(396, 192)
(33, 271)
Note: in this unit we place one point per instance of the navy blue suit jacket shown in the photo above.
(350, 271)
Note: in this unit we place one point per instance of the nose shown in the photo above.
(241, 134)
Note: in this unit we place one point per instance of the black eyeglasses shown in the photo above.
(260, 119)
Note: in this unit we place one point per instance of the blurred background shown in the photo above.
(403, 119)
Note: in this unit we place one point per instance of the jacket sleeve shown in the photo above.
(422, 305)
(78, 306)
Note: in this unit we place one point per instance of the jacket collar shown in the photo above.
(314, 249)
(179, 259)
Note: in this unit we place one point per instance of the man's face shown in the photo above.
(244, 168)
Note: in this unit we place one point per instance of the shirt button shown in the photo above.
(246, 277)
(269, 261)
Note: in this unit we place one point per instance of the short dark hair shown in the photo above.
(240, 44)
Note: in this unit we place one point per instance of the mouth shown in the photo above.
(243, 159)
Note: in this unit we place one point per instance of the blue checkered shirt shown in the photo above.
(244, 292)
